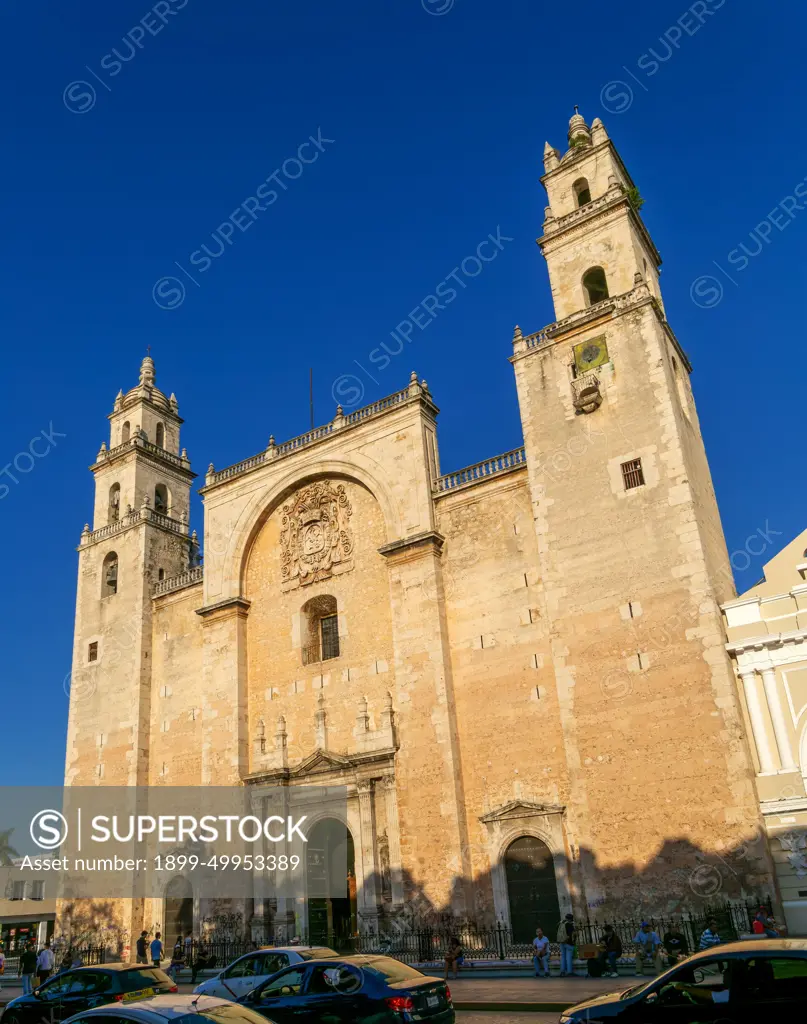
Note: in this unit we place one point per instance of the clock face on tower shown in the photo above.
(589, 354)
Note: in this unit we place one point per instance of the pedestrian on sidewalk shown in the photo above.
(541, 956)
(44, 963)
(141, 947)
(567, 937)
(2, 966)
(710, 936)
(610, 952)
(454, 956)
(647, 946)
(28, 969)
(156, 949)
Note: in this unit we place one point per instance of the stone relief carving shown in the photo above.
(315, 537)
(795, 845)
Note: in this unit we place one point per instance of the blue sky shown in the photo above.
(438, 113)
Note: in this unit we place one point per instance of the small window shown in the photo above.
(114, 503)
(632, 475)
(582, 192)
(37, 890)
(159, 437)
(161, 499)
(161, 574)
(595, 285)
(125, 432)
(329, 634)
(109, 584)
(18, 890)
(92, 651)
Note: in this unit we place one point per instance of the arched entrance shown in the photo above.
(331, 879)
(178, 918)
(531, 888)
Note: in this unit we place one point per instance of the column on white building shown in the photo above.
(780, 729)
(767, 760)
(394, 837)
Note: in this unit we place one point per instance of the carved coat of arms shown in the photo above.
(315, 536)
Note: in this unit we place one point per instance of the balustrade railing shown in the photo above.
(183, 579)
(481, 470)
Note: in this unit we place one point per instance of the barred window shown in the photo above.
(329, 632)
(632, 475)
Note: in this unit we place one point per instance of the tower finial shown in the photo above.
(147, 374)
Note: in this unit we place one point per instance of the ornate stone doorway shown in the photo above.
(331, 868)
(531, 888)
(178, 912)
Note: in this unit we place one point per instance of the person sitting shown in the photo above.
(610, 952)
(454, 956)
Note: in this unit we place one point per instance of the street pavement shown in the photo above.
(505, 1017)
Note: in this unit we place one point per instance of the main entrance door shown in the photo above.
(178, 912)
(531, 889)
(331, 874)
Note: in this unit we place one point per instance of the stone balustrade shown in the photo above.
(481, 470)
(154, 449)
(131, 518)
(189, 578)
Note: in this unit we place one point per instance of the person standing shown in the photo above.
(2, 966)
(710, 936)
(647, 945)
(142, 948)
(45, 962)
(541, 956)
(156, 949)
(610, 952)
(28, 969)
(567, 937)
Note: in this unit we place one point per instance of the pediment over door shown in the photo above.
(519, 810)
(329, 768)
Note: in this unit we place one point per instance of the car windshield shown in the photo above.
(317, 953)
(393, 970)
(227, 1013)
(145, 977)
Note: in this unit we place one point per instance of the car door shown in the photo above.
(282, 998)
(52, 997)
(87, 989)
(774, 988)
(332, 994)
(698, 993)
(239, 977)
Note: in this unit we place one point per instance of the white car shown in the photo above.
(252, 969)
(191, 1009)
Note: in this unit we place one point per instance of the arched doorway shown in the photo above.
(531, 888)
(331, 878)
(178, 919)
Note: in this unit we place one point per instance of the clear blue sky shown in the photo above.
(439, 122)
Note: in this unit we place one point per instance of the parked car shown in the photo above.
(736, 983)
(352, 990)
(81, 988)
(189, 1009)
(254, 968)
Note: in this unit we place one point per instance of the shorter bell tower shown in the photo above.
(139, 536)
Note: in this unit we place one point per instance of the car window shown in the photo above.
(770, 978)
(90, 981)
(227, 1013)
(288, 983)
(270, 963)
(57, 986)
(340, 979)
(316, 953)
(701, 984)
(393, 970)
(246, 967)
(146, 977)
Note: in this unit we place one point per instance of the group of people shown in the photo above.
(32, 965)
(185, 953)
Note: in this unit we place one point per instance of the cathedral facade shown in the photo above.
(518, 670)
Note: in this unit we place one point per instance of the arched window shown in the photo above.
(109, 575)
(161, 574)
(125, 432)
(159, 437)
(161, 499)
(114, 504)
(595, 286)
(320, 623)
(582, 192)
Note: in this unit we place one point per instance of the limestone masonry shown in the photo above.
(518, 670)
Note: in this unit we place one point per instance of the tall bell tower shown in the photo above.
(139, 536)
(633, 561)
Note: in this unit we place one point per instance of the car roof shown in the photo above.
(359, 960)
(167, 1006)
(113, 967)
(769, 947)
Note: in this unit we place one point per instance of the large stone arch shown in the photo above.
(225, 577)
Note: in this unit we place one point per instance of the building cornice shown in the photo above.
(767, 641)
(177, 464)
(128, 521)
(241, 605)
(429, 538)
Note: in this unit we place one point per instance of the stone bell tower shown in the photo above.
(633, 561)
(139, 536)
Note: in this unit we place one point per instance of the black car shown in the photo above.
(80, 988)
(352, 990)
(736, 983)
